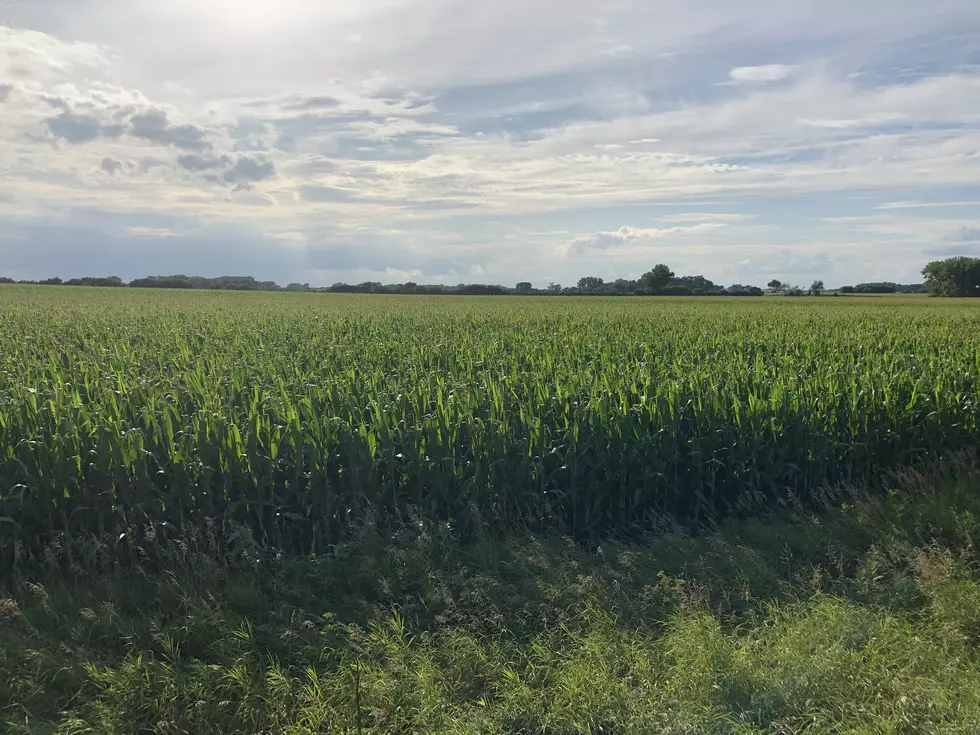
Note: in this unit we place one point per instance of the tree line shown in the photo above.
(660, 280)
(952, 277)
(817, 287)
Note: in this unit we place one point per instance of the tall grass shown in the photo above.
(299, 417)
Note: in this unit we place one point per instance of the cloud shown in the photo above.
(152, 232)
(315, 103)
(765, 73)
(874, 120)
(193, 162)
(603, 240)
(322, 194)
(111, 166)
(925, 205)
(969, 249)
(624, 235)
(430, 147)
(148, 164)
(801, 266)
(76, 128)
(150, 125)
(242, 171)
(248, 170)
(243, 194)
(5, 90)
(155, 127)
(32, 55)
(966, 235)
(707, 217)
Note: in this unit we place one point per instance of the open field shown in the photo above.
(299, 418)
(307, 513)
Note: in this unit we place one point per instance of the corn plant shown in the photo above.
(302, 417)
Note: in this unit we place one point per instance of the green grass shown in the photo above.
(300, 418)
(858, 619)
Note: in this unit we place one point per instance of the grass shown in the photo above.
(862, 618)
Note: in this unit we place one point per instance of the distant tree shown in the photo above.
(953, 277)
(695, 283)
(816, 288)
(589, 283)
(775, 285)
(793, 291)
(524, 287)
(884, 287)
(847, 289)
(241, 283)
(554, 288)
(737, 289)
(623, 286)
(5, 279)
(656, 279)
(107, 281)
(479, 289)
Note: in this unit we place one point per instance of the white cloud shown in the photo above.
(876, 119)
(39, 57)
(765, 73)
(152, 232)
(626, 234)
(926, 205)
(398, 126)
(401, 161)
(394, 274)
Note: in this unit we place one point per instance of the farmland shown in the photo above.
(301, 417)
(233, 512)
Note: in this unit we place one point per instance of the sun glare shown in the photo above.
(248, 16)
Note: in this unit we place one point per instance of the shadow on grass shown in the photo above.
(862, 618)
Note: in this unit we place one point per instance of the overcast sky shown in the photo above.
(460, 141)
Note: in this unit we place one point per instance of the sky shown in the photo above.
(449, 141)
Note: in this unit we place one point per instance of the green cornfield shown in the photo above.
(302, 417)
